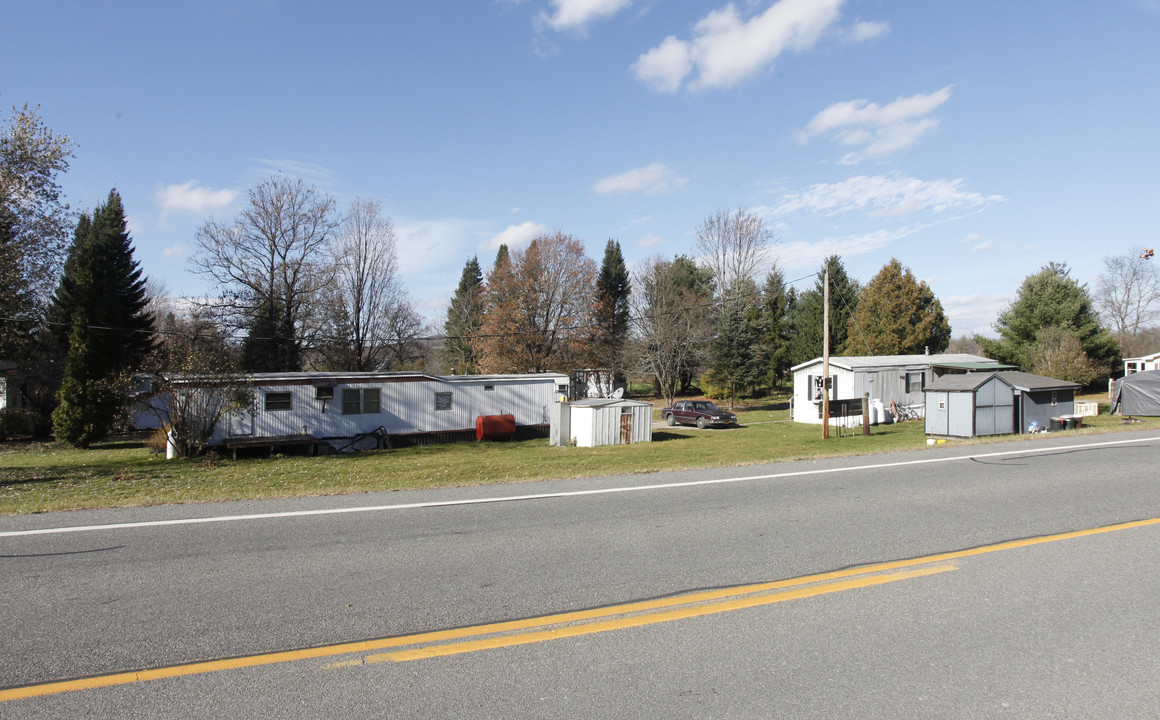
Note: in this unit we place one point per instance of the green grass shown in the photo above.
(43, 477)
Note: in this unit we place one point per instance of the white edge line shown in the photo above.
(548, 496)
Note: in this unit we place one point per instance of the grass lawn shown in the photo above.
(47, 477)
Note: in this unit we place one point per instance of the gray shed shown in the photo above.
(1138, 394)
(971, 405)
(995, 403)
(1040, 398)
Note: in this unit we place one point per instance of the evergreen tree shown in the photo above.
(738, 360)
(897, 315)
(464, 318)
(1051, 298)
(806, 318)
(612, 309)
(501, 258)
(269, 345)
(776, 298)
(102, 301)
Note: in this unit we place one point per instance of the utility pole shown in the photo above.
(826, 356)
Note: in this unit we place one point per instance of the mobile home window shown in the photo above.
(371, 399)
(488, 388)
(914, 382)
(277, 401)
(942, 401)
(442, 401)
(351, 404)
(1054, 398)
(361, 402)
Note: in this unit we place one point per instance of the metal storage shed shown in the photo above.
(599, 421)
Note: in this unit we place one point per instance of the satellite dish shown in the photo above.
(618, 393)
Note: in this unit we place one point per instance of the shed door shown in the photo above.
(626, 425)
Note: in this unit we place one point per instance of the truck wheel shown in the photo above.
(669, 419)
(701, 423)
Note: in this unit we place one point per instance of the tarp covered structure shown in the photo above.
(1138, 394)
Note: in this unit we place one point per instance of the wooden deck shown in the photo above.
(242, 443)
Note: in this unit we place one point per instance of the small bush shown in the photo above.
(156, 441)
(15, 422)
(715, 386)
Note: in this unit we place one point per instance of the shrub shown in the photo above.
(15, 422)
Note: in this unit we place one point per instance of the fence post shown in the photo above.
(866, 414)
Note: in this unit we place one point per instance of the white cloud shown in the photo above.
(865, 30)
(515, 236)
(429, 248)
(879, 130)
(977, 243)
(188, 198)
(650, 240)
(726, 48)
(175, 251)
(577, 14)
(801, 254)
(883, 196)
(652, 179)
(970, 314)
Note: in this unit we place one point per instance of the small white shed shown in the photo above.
(609, 421)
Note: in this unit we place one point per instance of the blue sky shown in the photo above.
(973, 141)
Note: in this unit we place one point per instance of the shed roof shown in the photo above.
(959, 383)
(869, 362)
(1022, 381)
(1026, 381)
(603, 402)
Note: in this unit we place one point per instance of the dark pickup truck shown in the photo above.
(701, 413)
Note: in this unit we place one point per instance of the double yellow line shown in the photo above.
(571, 624)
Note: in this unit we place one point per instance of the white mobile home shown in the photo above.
(9, 385)
(887, 378)
(407, 406)
(1142, 364)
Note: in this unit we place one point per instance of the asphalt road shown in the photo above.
(858, 587)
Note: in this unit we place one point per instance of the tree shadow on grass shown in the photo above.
(770, 407)
(665, 436)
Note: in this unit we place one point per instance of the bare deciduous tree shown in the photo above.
(367, 300)
(1128, 295)
(272, 255)
(672, 314)
(733, 245)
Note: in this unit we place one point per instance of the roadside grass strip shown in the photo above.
(572, 624)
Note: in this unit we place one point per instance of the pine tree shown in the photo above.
(1051, 298)
(464, 317)
(612, 309)
(102, 302)
(806, 317)
(738, 360)
(897, 315)
(269, 345)
(776, 298)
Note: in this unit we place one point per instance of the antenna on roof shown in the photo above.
(618, 393)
